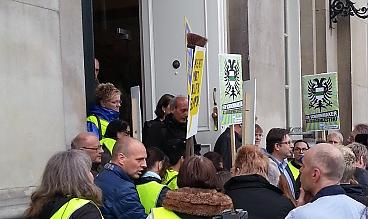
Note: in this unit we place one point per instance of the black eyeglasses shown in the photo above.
(300, 149)
(95, 149)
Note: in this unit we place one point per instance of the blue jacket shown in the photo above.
(120, 197)
(103, 113)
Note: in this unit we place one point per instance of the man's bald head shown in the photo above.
(83, 140)
(89, 143)
(130, 154)
(328, 159)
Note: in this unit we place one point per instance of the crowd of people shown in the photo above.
(108, 174)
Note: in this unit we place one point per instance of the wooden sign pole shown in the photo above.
(189, 147)
(232, 144)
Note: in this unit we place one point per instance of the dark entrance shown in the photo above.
(117, 46)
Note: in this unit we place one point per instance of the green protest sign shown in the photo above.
(320, 102)
(231, 92)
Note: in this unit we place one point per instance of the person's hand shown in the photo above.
(304, 197)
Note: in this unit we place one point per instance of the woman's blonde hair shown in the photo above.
(105, 92)
(66, 174)
(250, 160)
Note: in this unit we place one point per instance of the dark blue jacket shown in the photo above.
(120, 197)
(102, 113)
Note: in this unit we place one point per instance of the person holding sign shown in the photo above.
(222, 145)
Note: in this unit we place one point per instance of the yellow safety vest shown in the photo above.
(295, 171)
(70, 207)
(104, 124)
(162, 213)
(109, 144)
(171, 179)
(148, 194)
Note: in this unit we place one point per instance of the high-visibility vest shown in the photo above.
(171, 179)
(295, 171)
(109, 144)
(162, 213)
(148, 194)
(101, 124)
(70, 207)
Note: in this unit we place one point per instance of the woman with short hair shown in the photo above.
(105, 110)
(67, 189)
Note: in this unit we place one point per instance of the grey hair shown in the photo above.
(329, 160)
(337, 134)
(349, 159)
(65, 174)
(359, 150)
(174, 101)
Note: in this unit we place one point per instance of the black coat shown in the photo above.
(172, 133)
(256, 195)
(356, 192)
(222, 146)
(361, 176)
(151, 131)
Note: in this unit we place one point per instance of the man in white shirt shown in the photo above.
(321, 195)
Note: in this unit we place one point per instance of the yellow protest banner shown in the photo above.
(195, 91)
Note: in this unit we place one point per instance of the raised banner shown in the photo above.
(195, 90)
(320, 102)
(231, 92)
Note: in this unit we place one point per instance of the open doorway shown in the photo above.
(117, 46)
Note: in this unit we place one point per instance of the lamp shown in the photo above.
(346, 8)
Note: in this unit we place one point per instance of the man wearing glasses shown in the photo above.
(300, 147)
(278, 145)
(88, 142)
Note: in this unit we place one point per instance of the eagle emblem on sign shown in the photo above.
(320, 93)
(232, 78)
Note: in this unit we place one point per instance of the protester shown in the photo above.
(175, 126)
(216, 159)
(335, 137)
(197, 196)
(116, 180)
(361, 157)
(358, 129)
(278, 145)
(150, 190)
(105, 110)
(88, 142)
(176, 154)
(223, 144)
(152, 128)
(222, 174)
(66, 190)
(258, 134)
(352, 189)
(250, 190)
(116, 129)
(322, 196)
(300, 146)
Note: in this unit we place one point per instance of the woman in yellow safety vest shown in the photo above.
(116, 129)
(150, 190)
(106, 109)
(67, 189)
(197, 196)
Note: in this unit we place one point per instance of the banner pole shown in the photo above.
(232, 144)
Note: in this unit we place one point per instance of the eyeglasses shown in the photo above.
(95, 149)
(300, 149)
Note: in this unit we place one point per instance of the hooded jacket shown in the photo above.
(195, 203)
(102, 113)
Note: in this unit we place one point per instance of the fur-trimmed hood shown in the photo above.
(198, 202)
